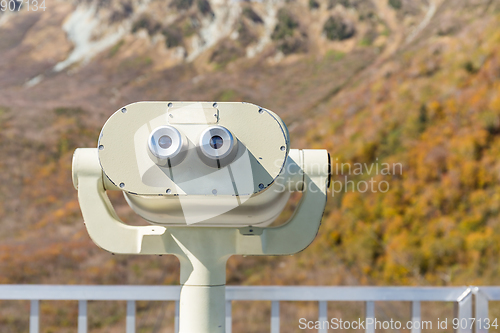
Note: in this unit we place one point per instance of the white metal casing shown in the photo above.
(242, 192)
(203, 251)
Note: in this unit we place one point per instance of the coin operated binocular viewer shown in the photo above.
(210, 178)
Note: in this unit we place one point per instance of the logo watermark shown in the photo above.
(374, 323)
(346, 177)
(379, 173)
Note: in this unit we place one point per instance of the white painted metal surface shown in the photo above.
(461, 296)
(82, 316)
(415, 315)
(203, 273)
(483, 295)
(275, 317)
(160, 191)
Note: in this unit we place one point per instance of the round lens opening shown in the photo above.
(216, 142)
(165, 141)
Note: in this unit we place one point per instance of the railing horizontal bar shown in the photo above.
(234, 293)
(491, 293)
(447, 294)
(94, 293)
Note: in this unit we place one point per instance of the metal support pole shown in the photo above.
(35, 316)
(82, 316)
(370, 314)
(176, 328)
(202, 309)
(275, 317)
(463, 311)
(130, 316)
(482, 311)
(229, 317)
(322, 316)
(416, 316)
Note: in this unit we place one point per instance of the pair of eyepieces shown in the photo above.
(217, 147)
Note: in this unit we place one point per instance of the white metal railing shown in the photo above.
(482, 297)
(461, 296)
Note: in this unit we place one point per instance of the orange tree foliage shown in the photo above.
(439, 223)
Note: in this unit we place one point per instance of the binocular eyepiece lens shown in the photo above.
(167, 145)
(216, 142)
(217, 147)
(165, 142)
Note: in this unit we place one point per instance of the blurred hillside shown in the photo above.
(374, 81)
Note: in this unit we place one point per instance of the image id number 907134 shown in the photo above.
(18, 5)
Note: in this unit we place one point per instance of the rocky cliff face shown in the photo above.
(209, 34)
(287, 55)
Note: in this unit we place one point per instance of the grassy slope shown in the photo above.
(435, 109)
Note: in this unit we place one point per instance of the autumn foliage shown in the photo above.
(439, 223)
(433, 107)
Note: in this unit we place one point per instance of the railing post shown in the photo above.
(482, 310)
(82, 316)
(275, 316)
(35, 316)
(370, 314)
(229, 316)
(130, 316)
(415, 316)
(176, 329)
(463, 311)
(322, 316)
